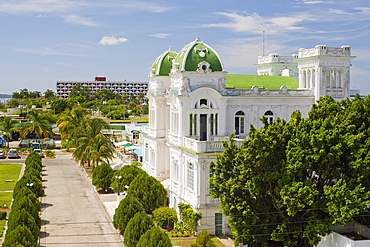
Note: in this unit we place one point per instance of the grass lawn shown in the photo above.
(9, 172)
(185, 242)
(6, 198)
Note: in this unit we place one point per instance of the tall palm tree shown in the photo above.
(124, 97)
(90, 144)
(140, 97)
(38, 123)
(7, 124)
(70, 122)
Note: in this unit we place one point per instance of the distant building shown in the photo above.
(100, 83)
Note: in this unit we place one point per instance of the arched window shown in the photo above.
(340, 78)
(239, 123)
(328, 78)
(270, 116)
(203, 102)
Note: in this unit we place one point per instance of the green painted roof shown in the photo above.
(261, 81)
(196, 52)
(163, 63)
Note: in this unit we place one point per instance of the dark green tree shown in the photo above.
(33, 157)
(20, 236)
(59, 105)
(102, 176)
(128, 173)
(165, 216)
(26, 192)
(136, 227)
(154, 237)
(149, 191)
(49, 94)
(189, 217)
(80, 91)
(29, 206)
(29, 180)
(22, 218)
(33, 171)
(204, 240)
(291, 181)
(126, 209)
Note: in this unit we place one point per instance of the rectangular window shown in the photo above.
(190, 177)
(212, 123)
(241, 125)
(191, 124)
(210, 175)
(216, 124)
(195, 124)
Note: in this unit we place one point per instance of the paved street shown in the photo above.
(72, 213)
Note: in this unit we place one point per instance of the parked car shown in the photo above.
(2, 154)
(38, 150)
(13, 153)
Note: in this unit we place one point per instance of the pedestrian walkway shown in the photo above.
(72, 214)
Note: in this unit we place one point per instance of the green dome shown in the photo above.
(163, 64)
(196, 52)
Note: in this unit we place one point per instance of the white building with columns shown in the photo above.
(194, 105)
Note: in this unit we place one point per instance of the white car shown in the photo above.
(2, 154)
(13, 153)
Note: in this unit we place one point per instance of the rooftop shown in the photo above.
(263, 82)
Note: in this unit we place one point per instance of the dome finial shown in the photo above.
(170, 49)
(197, 38)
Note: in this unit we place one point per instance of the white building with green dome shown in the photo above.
(194, 105)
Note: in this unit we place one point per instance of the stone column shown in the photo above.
(307, 81)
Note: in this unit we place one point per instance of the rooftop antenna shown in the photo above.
(263, 43)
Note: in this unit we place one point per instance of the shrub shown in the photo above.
(26, 192)
(189, 216)
(128, 173)
(35, 165)
(126, 209)
(49, 154)
(136, 227)
(154, 237)
(33, 156)
(36, 187)
(149, 191)
(165, 216)
(3, 215)
(22, 218)
(102, 176)
(27, 204)
(34, 172)
(203, 238)
(20, 236)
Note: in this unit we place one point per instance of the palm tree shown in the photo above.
(7, 125)
(70, 122)
(90, 144)
(140, 97)
(124, 97)
(38, 123)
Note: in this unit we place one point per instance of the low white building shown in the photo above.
(194, 105)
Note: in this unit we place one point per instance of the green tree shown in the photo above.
(290, 182)
(165, 216)
(22, 218)
(49, 94)
(80, 91)
(59, 105)
(204, 240)
(102, 176)
(20, 236)
(71, 121)
(126, 209)
(140, 97)
(28, 205)
(29, 180)
(136, 227)
(124, 97)
(37, 123)
(32, 171)
(154, 237)
(149, 191)
(26, 192)
(189, 217)
(128, 173)
(7, 125)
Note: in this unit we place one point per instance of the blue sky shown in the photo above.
(43, 41)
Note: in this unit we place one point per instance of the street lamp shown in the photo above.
(119, 180)
(29, 185)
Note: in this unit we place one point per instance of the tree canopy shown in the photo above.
(102, 176)
(128, 173)
(291, 181)
(126, 209)
(154, 237)
(136, 227)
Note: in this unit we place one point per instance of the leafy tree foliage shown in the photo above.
(33, 171)
(22, 218)
(128, 173)
(26, 192)
(49, 94)
(189, 217)
(154, 237)
(291, 181)
(136, 227)
(102, 176)
(20, 236)
(126, 209)
(7, 125)
(59, 105)
(80, 92)
(165, 216)
(38, 123)
(149, 191)
(29, 179)
(33, 157)
(29, 206)
(204, 240)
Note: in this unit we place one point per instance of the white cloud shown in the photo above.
(46, 51)
(160, 35)
(112, 40)
(315, 2)
(79, 20)
(255, 23)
